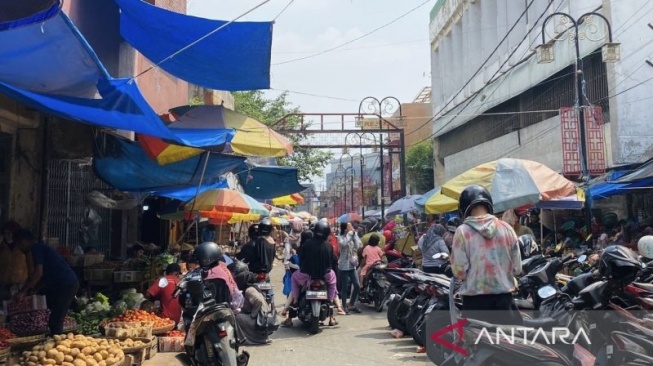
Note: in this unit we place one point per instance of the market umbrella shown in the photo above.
(403, 205)
(373, 213)
(218, 203)
(350, 217)
(250, 137)
(438, 203)
(303, 215)
(512, 183)
(421, 201)
(279, 221)
(289, 200)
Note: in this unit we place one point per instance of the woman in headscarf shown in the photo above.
(431, 244)
(253, 304)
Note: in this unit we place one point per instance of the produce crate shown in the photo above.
(27, 304)
(153, 348)
(128, 276)
(92, 259)
(136, 358)
(98, 274)
(171, 344)
(129, 330)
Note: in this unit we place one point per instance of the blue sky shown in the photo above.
(392, 61)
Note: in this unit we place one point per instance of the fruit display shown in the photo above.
(74, 350)
(34, 322)
(134, 329)
(99, 303)
(175, 334)
(131, 316)
(6, 334)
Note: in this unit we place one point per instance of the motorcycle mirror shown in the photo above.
(582, 258)
(163, 282)
(546, 292)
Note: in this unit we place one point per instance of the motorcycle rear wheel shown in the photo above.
(378, 300)
(315, 325)
(394, 318)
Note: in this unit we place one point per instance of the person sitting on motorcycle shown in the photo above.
(254, 303)
(430, 244)
(452, 225)
(247, 251)
(219, 270)
(315, 258)
(261, 257)
(371, 254)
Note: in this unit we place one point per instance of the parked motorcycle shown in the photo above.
(212, 333)
(374, 287)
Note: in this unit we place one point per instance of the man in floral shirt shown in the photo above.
(485, 257)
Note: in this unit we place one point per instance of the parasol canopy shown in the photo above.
(224, 204)
(289, 200)
(303, 215)
(246, 136)
(438, 203)
(403, 205)
(512, 183)
(350, 217)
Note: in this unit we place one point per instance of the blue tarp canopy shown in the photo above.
(267, 182)
(46, 64)
(644, 172)
(236, 57)
(125, 166)
(189, 192)
(605, 190)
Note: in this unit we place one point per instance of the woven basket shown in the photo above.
(163, 330)
(23, 342)
(4, 352)
(119, 362)
(146, 343)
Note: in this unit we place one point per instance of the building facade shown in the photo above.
(491, 98)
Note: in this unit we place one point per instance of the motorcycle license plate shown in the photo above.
(430, 309)
(264, 286)
(316, 295)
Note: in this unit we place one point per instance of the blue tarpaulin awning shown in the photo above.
(125, 166)
(237, 57)
(267, 182)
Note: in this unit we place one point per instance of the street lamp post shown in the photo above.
(351, 169)
(378, 107)
(362, 164)
(342, 182)
(610, 53)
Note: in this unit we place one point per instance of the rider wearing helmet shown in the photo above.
(645, 247)
(452, 225)
(315, 262)
(261, 257)
(247, 251)
(429, 245)
(485, 257)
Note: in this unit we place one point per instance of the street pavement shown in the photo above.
(359, 340)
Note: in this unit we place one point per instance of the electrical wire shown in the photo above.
(283, 10)
(314, 95)
(355, 39)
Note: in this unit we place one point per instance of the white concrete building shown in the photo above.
(491, 104)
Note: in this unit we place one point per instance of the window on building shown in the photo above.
(5, 174)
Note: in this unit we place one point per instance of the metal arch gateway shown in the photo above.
(363, 130)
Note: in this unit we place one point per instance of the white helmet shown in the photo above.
(645, 246)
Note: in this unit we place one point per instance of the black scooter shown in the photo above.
(212, 333)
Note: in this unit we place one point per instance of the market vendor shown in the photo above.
(14, 264)
(170, 307)
(137, 253)
(51, 275)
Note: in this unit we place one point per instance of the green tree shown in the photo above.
(310, 162)
(419, 166)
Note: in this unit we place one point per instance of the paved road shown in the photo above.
(359, 340)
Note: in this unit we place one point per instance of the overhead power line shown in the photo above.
(355, 39)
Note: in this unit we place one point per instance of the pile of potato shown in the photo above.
(126, 343)
(74, 350)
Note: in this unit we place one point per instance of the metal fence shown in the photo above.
(68, 184)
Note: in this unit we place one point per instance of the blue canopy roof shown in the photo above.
(125, 166)
(267, 182)
(236, 57)
(48, 65)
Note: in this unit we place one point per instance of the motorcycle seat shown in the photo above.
(644, 286)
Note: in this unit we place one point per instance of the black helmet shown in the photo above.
(208, 254)
(252, 232)
(265, 227)
(306, 235)
(237, 267)
(473, 196)
(527, 246)
(322, 230)
(619, 263)
(452, 224)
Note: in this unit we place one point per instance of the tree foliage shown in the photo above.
(310, 162)
(419, 166)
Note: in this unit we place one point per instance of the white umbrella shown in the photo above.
(402, 206)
